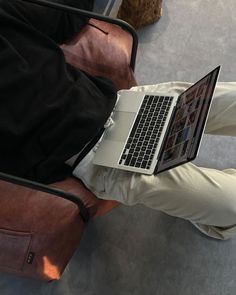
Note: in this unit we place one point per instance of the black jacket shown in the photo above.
(48, 109)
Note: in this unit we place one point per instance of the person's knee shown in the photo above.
(229, 209)
(222, 209)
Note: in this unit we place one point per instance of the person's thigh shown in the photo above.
(201, 195)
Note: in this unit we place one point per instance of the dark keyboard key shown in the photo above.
(144, 164)
(129, 140)
(128, 159)
(156, 99)
(132, 162)
(135, 125)
(150, 100)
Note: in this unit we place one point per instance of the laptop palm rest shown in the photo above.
(114, 138)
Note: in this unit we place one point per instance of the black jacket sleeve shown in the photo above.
(58, 25)
(49, 110)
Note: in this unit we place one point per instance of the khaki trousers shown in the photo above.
(206, 197)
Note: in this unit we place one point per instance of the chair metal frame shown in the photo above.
(46, 188)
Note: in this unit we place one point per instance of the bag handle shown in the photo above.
(84, 213)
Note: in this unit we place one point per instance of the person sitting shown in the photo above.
(47, 104)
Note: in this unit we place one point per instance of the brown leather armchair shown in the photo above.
(41, 225)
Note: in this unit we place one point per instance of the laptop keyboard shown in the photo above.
(145, 134)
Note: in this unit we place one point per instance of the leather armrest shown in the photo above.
(102, 49)
(95, 206)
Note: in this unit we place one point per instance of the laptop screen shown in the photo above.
(187, 125)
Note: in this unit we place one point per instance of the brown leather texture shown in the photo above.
(96, 207)
(102, 49)
(40, 232)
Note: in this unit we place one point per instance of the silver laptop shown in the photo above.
(153, 132)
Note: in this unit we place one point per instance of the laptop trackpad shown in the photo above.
(120, 130)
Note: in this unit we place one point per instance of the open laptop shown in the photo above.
(153, 132)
